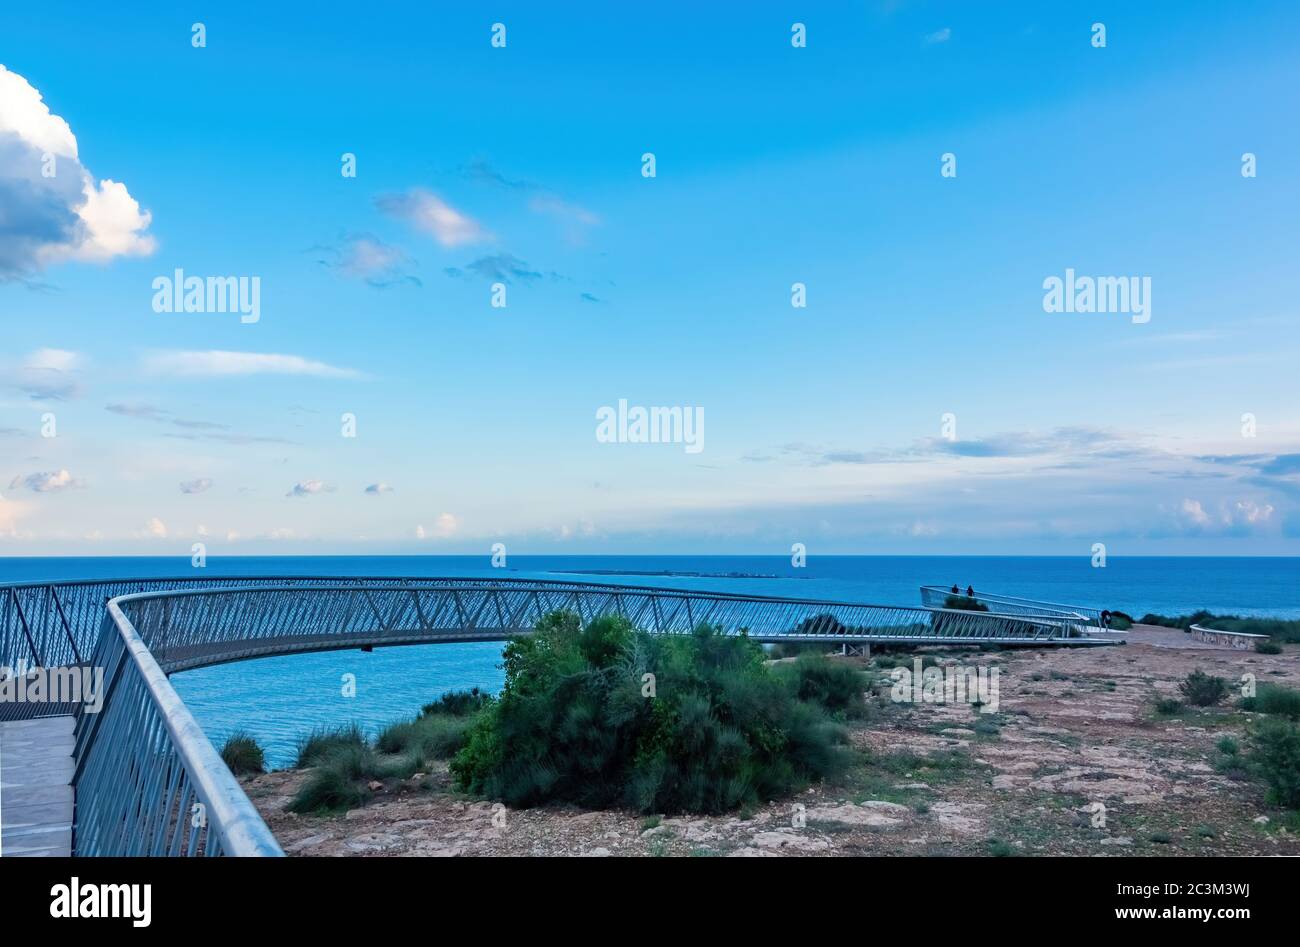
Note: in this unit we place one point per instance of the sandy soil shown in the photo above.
(1075, 761)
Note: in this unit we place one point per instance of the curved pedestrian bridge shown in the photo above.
(145, 779)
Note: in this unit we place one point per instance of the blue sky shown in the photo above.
(774, 165)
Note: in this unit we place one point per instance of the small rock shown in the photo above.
(1260, 820)
(375, 785)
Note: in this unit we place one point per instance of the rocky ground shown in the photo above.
(1074, 762)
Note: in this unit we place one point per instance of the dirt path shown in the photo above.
(1075, 761)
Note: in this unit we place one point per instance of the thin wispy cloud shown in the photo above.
(429, 213)
(48, 375)
(367, 258)
(219, 363)
(938, 36)
(201, 485)
(48, 481)
(376, 489)
(498, 268)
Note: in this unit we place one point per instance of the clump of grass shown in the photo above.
(323, 741)
(1001, 849)
(1168, 706)
(1228, 746)
(1267, 647)
(1202, 690)
(338, 781)
(1275, 700)
(1161, 838)
(242, 754)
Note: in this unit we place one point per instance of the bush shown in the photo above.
(1275, 758)
(339, 780)
(965, 603)
(458, 703)
(1268, 647)
(821, 625)
(723, 730)
(1274, 699)
(1168, 706)
(242, 754)
(1202, 690)
(324, 741)
(835, 686)
(432, 736)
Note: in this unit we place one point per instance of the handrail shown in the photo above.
(931, 593)
(148, 780)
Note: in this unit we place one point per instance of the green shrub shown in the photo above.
(723, 731)
(1274, 699)
(1120, 622)
(1201, 690)
(1265, 646)
(458, 703)
(1228, 746)
(835, 686)
(1168, 706)
(1275, 758)
(965, 603)
(338, 780)
(324, 740)
(242, 754)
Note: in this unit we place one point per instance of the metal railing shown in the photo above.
(934, 596)
(148, 781)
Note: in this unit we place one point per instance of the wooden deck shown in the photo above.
(36, 787)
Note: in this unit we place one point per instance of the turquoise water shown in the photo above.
(278, 699)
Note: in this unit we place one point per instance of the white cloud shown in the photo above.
(48, 374)
(217, 362)
(445, 527)
(378, 488)
(306, 488)
(156, 528)
(938, 36)
(428, 212)
(63, 215)
(49, 481)
(196, 486)
(1193, 511)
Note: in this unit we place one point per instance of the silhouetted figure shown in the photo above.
(970, 591)
(955, 590)
(1105, 619)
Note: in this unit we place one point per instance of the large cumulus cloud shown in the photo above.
(47, 218)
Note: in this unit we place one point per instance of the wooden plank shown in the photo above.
(36, 787)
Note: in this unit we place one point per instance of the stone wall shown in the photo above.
(1236, 640)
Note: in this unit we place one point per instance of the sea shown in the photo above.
(279, 700)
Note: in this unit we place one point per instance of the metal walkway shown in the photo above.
(147, 781)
